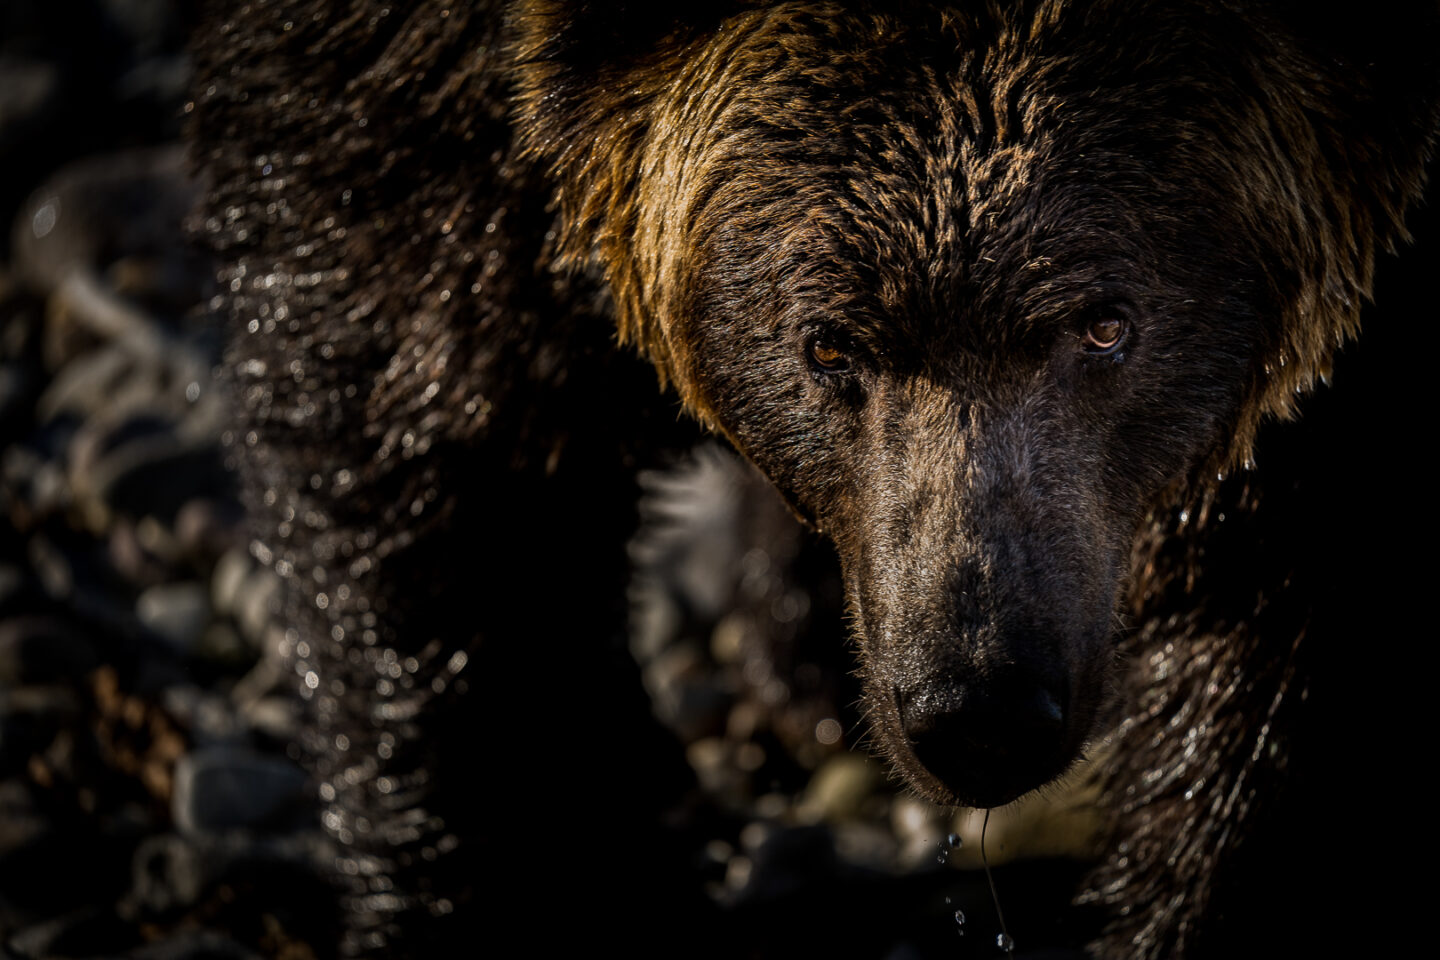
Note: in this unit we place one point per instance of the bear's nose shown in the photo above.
(990, 745)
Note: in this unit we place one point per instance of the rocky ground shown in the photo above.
(151, 800)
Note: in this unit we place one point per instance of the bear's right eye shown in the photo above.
(1105, 336)
(826, 357)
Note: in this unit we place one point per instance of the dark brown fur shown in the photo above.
(948, 199)
(952, 196)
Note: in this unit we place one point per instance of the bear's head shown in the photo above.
(977, 290)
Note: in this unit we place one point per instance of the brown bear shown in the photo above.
(997, 295)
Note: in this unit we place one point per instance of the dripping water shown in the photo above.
(1004, 941)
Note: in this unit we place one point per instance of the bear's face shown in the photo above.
(982, 452)
(975, 294)
(975, 375)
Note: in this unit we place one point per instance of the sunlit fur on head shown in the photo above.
(635, 107)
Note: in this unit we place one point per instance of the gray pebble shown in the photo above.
(276, 716)
(205, 527)
(133, 200)
(224, 788)
(169, 872)
(39, 484)
(231, 571)
(86, 384)
(177, 612)
(254, 604)
(52, 567)
(207, 717)
(130, 558)
(222, 646)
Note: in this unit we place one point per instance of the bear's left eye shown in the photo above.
(826, 357)
(1106, 335)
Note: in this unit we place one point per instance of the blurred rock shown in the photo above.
(226, 788)
(132, 557)
(710, 759)
(176, 612)
(169, 872)
(85, 385)
(921, 828)
(133, 201)
(839, 789)
(205, 527)
(116, 508)
(277, 717)
(229, 577)
(38, 484)
(684, 693)
(206, 716)
(254, 605)
(221, 646)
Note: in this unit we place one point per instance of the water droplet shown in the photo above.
(828, 731)
(1005, 942)
(960, 921)
(44, 220)
(954, 841)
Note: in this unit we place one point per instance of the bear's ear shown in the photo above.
(1353, 99)
(587, 75)
(590, 79)
(1337, 117)
(1375, 78)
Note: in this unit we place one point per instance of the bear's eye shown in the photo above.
(826, 357)
(1105, 336)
